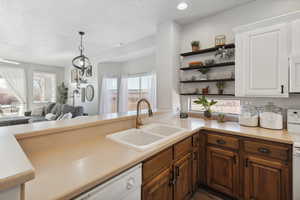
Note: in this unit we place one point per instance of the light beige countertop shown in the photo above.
(15, 167)
(68, 170)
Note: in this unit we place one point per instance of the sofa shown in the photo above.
(56, 110)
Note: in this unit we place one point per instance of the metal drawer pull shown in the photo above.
(263, 150)
(221, 141)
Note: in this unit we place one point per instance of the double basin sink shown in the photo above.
(146, 137)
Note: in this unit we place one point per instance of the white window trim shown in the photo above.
(55, 81)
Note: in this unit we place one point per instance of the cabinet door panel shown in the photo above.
(264, 179)
(159, 187)
(222, 170)
(295, 74)
(196, 168)
(295, 37)
(266, 62)
(183, 171)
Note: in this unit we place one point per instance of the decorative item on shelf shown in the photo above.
(203, 75)
(209, 62)
(206, 104)
(221, 117)
(62, 94)
(89, 92)
(220, 40)
(223, 54)
(196, 64)
(195, 45)
(221, 85)
(205, 91)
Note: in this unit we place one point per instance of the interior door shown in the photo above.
(183, 174)
(222, 170)
(266, 62)
(264, 179)
(159, 187)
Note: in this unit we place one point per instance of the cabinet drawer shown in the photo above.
(182, 148)
(224, 141)
(272, 151)
(157, 163)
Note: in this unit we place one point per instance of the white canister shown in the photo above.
(271, 117)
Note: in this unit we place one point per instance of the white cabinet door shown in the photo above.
(295, 74)
(262, 62)
(296, 37)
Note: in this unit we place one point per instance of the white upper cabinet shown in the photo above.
(296, 38)
(295, 74)
(262, 62)
(295, 58)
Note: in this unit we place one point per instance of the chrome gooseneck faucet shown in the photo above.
(138, 122)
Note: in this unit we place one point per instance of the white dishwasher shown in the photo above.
(126, 186)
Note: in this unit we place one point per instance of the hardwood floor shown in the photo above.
(204, 195)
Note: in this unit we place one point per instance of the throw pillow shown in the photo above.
(66, 116)
(49, 107)
(56, 110)
(50, 117)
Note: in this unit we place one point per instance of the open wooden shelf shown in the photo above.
(206, 81)
(209, 66)
(197, 94)
(202, 51)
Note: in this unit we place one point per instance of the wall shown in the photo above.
(32, 67)
(167, 63)
(206, 29)
(91, 108)
(140, 65)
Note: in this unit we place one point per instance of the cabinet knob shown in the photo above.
(282, 89)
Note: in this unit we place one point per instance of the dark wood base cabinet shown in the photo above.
(238, 167)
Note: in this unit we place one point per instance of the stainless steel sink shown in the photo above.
(146, 137)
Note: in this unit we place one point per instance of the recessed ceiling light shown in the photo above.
(8, 61)
(182, 6)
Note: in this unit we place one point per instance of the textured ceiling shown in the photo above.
(45, 31)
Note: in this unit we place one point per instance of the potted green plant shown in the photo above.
(206, 104)
(220, 85)
(221, 117)
(195, 45)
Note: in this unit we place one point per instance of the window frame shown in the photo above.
(139, 76)
(55, 85)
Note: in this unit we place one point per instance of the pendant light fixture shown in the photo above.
(82, 62)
